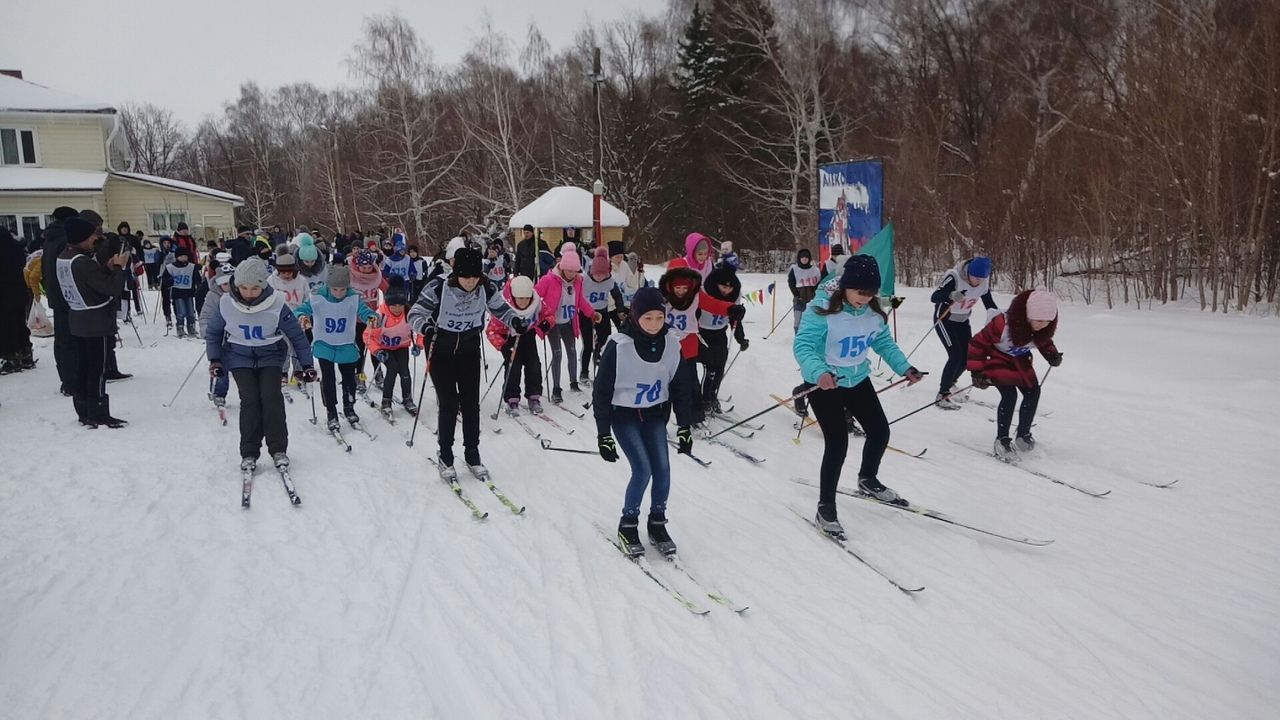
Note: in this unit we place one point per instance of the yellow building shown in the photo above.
(57, 149)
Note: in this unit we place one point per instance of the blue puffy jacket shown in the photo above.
(810, 346)
(236, 357)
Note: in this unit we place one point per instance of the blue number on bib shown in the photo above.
(596, 297)
(252, 332)
(651, 392)
(335, 325)
(182, 281)
(678, 322)
(853, 346)
(566, 312)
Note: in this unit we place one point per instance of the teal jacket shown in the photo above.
(810, 346)
(339, 354)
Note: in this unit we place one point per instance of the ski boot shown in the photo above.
(220, 401)
(513, 406)
(944, 402)
(333, 424)
(248, 464)
(535, 404)
(712, 407)
(557, 397)
(629, 537)
(827, 522)
(957, 396)
(658, 536)
(191, 330)
(1004, 450)
(385, 409)
(410, 407)
(362, 383)
(877, 490)
(447, 473)
(574, 386)
(104, 415)
(182, 332)
(280, 460)
(801, 405)
(584, 378)
(851, 425)
(377, 377)
(1025, 443)
(477, 468)
(349, 412)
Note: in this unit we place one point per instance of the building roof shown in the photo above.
(179, 185)
(25, 96)
(567, 206)
(26, 179)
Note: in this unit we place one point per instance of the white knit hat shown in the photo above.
(521, 287)
(454, 246)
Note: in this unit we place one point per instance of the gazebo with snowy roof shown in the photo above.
(568, 206)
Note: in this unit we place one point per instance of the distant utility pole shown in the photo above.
(597, 78)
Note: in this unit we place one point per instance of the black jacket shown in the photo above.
(97, 284)
(526, 257)
(55, 241)
(650, 349)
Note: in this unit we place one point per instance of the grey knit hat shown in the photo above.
(338, 277)
(252, 272)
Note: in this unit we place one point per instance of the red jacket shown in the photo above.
(676, 269)
(993, 353)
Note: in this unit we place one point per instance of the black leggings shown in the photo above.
(594, 336)
(328, 385)
(397, 364)
(527, 362)
(829, 407)
(1026, 413)
(955, 338)
(457, 381)
(713, 356)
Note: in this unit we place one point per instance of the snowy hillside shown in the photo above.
(132, 584)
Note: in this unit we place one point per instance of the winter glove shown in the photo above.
(914, 376)
(608, 448)
(428, 336)
(957, 296)
(519, 324)
(684, 438)
(308, 375)
(215, 369)
(736, 313)
(1054, 358)
(980, 381)
(545, 326)
(415, 351)
(895, 301)
(743, 344)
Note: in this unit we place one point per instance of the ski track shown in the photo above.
(133, 584)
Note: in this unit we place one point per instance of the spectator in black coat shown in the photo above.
(15, 296)
(64, 353)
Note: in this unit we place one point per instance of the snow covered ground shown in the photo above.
(132, 584)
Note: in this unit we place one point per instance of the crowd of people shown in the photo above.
(275, 310)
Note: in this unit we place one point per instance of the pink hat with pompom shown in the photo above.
(1042, 305)
(570, 262)
(600, 263)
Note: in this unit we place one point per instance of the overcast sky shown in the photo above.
(192, 56)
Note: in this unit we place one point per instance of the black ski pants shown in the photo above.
(955, 338)
(397, 365)
(456, 377)
(261, 411)
(1026, 413)
(88, 386)
(594, 336)
(829, 407)
(65, 350)
(522, 357)
(329, 385)
(713, 356)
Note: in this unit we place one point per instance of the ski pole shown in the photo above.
(184, 381)
(546, 445)
(731, 362)
(775, 327)
(936, 323)
(774, 406)
(926, 407)
(491, 382)
(139, 335)
(311, 395)
(507, 367)
(421, 393)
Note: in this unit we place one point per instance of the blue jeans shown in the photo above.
(185, 310)
(644, 442)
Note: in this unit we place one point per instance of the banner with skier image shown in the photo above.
(850, 205)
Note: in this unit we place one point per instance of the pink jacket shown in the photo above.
(551, 287)
(691, 243)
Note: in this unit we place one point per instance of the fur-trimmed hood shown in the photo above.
(723, 275)
(681, 272)
(1020, 328)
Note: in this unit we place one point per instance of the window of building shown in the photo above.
(18, 146)
(166, 222)
(26, 227)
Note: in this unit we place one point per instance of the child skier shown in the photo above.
(561, 290)
(396, 262)
(802, 278)
(367, 282)
(954, 299)
(212, 305)
(389, 342)
(331, 315)
(604, 297)
(1000, 355)
(520, 348)
(682, 289)
(311, 265)
(180, 278)
(638, 385)
(449, 315)
(728, 256)
(245, 338)
(843, 322)
(713, 353)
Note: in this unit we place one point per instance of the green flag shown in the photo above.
(880, 247)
